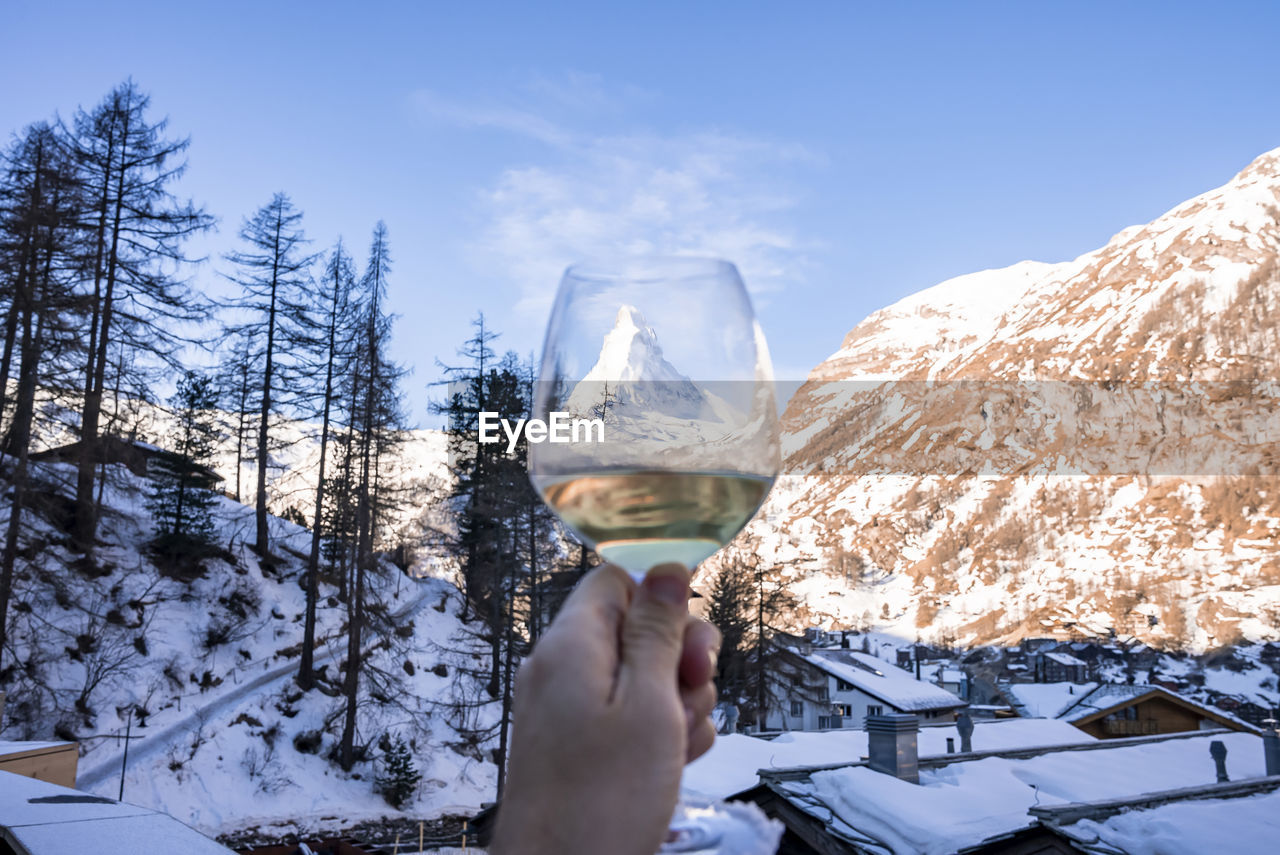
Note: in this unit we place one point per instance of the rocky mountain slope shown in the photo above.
(1086, 448)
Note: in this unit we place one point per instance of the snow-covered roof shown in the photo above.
(878, 678)
(731, 764)
(1075, 702)
(8, 746)
(1190, 826)
(962, 803)
(1110, 694)
(1044, 700)
(1064, 658)
(44, 819)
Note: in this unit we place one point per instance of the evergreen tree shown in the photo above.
(182, 495)
(507, 540)
(729, 605)
(399, 779)
(133, 230)
(770, 600)
(275, 309)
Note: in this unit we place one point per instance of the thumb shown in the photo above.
(653, 631)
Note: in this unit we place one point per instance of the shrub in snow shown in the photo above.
(400, 777)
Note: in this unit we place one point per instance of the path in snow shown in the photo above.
(190, 723)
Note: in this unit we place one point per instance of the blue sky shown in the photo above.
(844, 154)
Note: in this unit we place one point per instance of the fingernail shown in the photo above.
(668, 584)
(714, 655)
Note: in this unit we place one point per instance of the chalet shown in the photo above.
(1111, 710)
(1046, 799)
(41, 818)
(821, 688)
(1058, 666)
(140, 458)
(951, 679)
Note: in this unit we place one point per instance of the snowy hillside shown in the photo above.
(1082, 449)
(204, 655)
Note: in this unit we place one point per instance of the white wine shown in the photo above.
(639, 519)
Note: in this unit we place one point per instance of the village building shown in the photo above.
(829, 688)
(1057, 666)
(140, 458)
(1114, 710)
(1045, 799)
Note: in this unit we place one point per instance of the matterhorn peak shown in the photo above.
(630, 351)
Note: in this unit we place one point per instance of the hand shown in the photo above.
(609, 707)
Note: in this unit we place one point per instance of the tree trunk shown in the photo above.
(86, 516)
(305, 677)
(761, 707)
(261, 544)
(20, 439)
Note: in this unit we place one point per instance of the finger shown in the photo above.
(698, 656)
(653, 632)
(701, 738)
(583, 639)
(592, 615)
(698, 702)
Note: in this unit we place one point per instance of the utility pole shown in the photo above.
(124, 761)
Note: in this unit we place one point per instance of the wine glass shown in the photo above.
(662, 438)
(658, 376)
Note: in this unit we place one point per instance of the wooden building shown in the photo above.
(1114, 711)
(138, 457)
(54, 762)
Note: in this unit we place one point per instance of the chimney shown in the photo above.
(891, 745)
(964, 726)
(1271, 747)
(1218, 751)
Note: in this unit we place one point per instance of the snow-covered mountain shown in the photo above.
(1087, 447)
(632, 381)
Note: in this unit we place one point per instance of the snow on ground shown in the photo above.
(207, 665)
(730, 766)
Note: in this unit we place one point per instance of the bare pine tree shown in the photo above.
(134, 230)
(337, 283)
(274, 307)
(37, 239)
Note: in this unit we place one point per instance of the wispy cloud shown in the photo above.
(518, 121)
(598, 194)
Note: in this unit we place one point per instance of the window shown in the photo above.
(826, 722)
(845, 710)
(843, 685)
(875, 709)
(797, 707)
